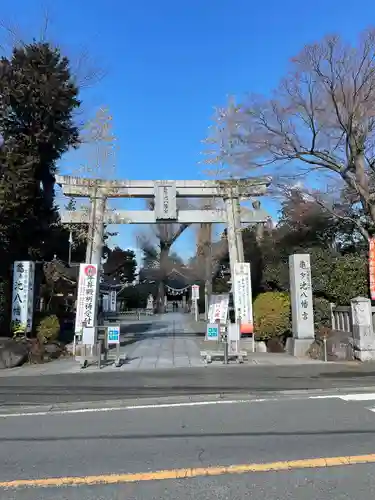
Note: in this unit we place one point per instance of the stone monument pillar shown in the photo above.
(302, 305)
(150, 302)
(363, 330)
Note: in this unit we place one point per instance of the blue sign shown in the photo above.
(113, 335)
(212, 332)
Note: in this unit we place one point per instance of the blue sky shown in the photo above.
(169, 63)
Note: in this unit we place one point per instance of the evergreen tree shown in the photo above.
(120, 267)
(38, 98)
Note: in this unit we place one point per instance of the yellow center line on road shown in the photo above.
(288, 465)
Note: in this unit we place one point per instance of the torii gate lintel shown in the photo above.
(165, 194)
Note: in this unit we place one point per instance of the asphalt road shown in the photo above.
(230, 379)
(143, 440)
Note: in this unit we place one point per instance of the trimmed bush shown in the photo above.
(271, 315)
(48, 329)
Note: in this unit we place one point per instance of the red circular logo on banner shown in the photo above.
(90, 271)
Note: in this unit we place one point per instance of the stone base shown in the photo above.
(364, 355)
(298, 347)
(260, 346)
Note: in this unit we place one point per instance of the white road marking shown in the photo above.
(343, 397)
(348, 397)
(133, 407)
(358, 397)
(329, 396)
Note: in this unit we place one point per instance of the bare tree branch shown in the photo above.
(99, 147)
(322, 115)
(85, 69)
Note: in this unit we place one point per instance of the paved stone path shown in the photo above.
(170, 345)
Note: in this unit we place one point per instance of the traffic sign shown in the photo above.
(113, 334)
(212, 331)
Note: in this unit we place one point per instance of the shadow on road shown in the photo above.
(346, 375)
(230, 379)
(136, 328)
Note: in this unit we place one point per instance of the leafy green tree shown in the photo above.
(343, 277)
(38, 99)
(338, 261)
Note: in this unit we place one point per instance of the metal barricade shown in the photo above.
(97, 353)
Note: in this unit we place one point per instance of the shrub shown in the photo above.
(18, 329)
(322, 313)
(48, 329)
(271, 315)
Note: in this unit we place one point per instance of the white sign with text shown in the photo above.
(195, 292)
(113, 301)
(301, 296)
(23, 295)
(87, 296)
(218, 308)
(243, 293)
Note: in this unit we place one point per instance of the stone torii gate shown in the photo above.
(164, 194)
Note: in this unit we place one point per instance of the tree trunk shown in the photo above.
(164, 253)
(362, 182)
(259, 232)
(49, 190)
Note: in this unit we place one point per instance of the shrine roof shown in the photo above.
(176, 277)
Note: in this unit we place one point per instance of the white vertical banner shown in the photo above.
(243, 301)
(113, 301)
(23, 295)
(194, 299)
(371, 266)
(218, 308)
(106, 306)
(195, 292)
(30, 305)
(87, 296)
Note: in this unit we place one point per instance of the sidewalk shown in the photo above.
(254, 358)
(155, 343)
(172, 340)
